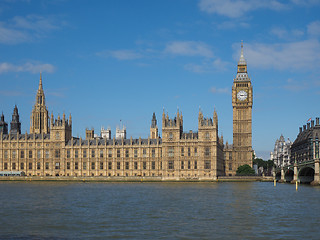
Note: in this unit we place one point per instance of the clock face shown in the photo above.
(242, 95)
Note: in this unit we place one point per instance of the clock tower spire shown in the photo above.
(242, 101)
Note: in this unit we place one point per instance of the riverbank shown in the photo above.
(138, 179)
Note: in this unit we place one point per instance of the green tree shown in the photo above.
(245, 170)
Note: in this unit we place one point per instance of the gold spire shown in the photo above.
(40, 82)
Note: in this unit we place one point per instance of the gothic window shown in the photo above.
(68, 153)
(170, 152)
(207, 152)
(195, 164)
(182, 152)
(153, 165)
(84, 153)
(189, 165)
(207, 164)
(38, 154)
(93, 165)
(127, 165)
(47, 153)
(101, 153)
(189, 152)
(5, 154)
(22, 166)
(30, 165)
(57, 165)
(127, 153)
(195, 152)
(153, 152)
(135, 165)
(109, 165)
(84, 166)
(118, 165)
(76, 154)
(57, 154)
(110, 153)
(5, 166)
(135, 153)
(182, 164)
(170, 136)
(144, 152)
(207, 136)
(144, 165)
(14, 166)
(13, 154)
(170, 165)
(68, 165)
(21, 154)
(93, 153)
(38, 166)
(30, 153)
(47, 165)
(76, 165)
(101, 165)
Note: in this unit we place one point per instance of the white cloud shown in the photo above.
(27, 67)
(121, 54)
(23, 29)
(290, 56)
(195, 68)
(283, 33)
(314, 28)
(220, 90)
(189, 48)
(238, 8)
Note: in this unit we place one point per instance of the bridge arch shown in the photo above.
(278, 176)
(306, 174)
(288, 175)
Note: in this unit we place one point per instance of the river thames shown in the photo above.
(248, 210)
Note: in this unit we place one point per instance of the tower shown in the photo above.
(15, 125)
(3, 125)
(242, 100)
(154, 127)
(61, 129)
(39, 122)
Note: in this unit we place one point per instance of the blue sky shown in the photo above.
(106, 61)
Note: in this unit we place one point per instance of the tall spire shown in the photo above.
(242, 61)
(40, 82)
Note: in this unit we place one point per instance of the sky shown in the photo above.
(118, 61)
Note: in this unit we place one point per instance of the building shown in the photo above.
(242, 101)
(281, 153)
(51, 150)
(306, 145)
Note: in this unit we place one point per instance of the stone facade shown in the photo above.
(51, 150)
(281, 153)
(306, 145)
(242, 101)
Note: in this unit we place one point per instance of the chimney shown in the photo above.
(300, 129)
(308, 125)
(317, 121)
(304, 127)
(312, 123)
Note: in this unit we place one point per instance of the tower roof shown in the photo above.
(242, 60)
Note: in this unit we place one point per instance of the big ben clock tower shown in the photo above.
(242, 99)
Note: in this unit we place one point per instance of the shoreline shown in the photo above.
(134, 179)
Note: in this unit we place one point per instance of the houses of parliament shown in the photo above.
(51, 150)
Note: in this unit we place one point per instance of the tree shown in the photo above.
(245, 170)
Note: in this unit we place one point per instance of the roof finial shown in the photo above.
(242, 61)
(40, 82)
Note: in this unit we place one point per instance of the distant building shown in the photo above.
(3, 125)
(121, 133)
(306, 145)
(281, 153)
(105, 133)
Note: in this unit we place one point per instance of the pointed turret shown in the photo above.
(242, 74)
(39, 118)
(15, 125)
(3, 125)
(154, 127)
(242, 61)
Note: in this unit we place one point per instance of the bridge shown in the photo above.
(303, 172)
